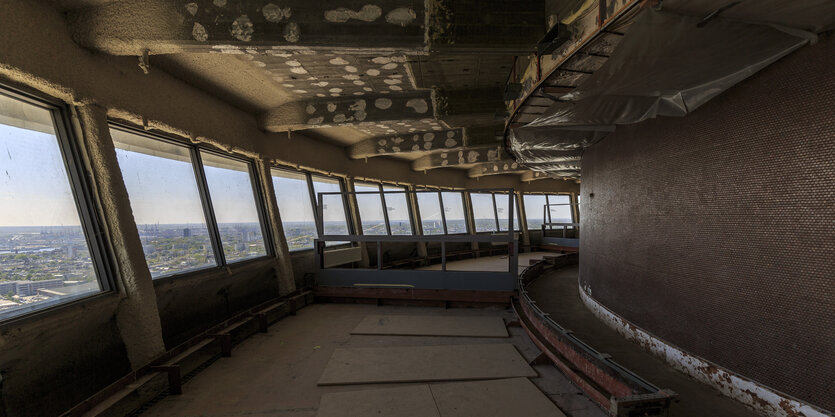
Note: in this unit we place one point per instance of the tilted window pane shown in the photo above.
(235, 207)
(534, 210)
(397, 205)
(371, 209)
(501, 209)
(293, 197)
(333, 206)
(430, 213)
(483, 214)
(166, 203)
(562, 213)
(454, 212)
(44, 256)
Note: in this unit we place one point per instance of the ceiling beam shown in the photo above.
(343, 111)
(164, 26)
(470, 155)
(448, 139)
(505, 166)
(537, 175)
(128, 27)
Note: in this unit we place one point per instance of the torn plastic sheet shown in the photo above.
(667, 66)
(533, 156)
(554, 138)
(555, 166)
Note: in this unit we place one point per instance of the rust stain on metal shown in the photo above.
(789, 409)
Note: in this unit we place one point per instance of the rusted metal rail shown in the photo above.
(616, 389)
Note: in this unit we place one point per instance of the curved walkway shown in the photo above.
(556, 293)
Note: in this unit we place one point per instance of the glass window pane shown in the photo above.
(371, 209)
(293, 197)
(430, 213)
(501, 209)
(483, 214)
(235, 207)
(166, 203)
(454, 212)
(561, 213)
(534, 210)
(333, 206)
(44, 257)
(397, 205)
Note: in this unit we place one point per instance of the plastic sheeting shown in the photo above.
(666, 65)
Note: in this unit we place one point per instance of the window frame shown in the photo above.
(547, 211)
(492, 196)
(309, 187)
(87, 205)
(205, 197)
(369, 184)
(314, 200)
(463, 209)
(406, 193)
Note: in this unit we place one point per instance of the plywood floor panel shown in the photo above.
(411, 401)
(462, 326)
(424, 364)
(495, 398)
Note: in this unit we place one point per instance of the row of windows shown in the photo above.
(194, 208)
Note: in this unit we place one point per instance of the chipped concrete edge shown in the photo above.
(763, 399)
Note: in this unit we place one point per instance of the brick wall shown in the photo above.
(716, 231)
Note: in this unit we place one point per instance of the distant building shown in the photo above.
(186, 232)
(27, 288)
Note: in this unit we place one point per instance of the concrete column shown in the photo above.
(284, 265)
(523, 220)
(137, 317)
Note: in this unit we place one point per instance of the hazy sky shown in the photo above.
(34, 189)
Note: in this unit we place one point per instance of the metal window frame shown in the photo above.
(495, 213)
(260, 207)
(308, 185)
(81, 187)
(205, 196)
(408, 207)
(420, 216)
(320, 222)
(463, 208)
(428, 279)
(382, 204)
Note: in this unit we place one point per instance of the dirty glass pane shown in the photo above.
(483, 214)
(165, 202)
(454, 212)
(560, 213)
(534, 210)
(370, 209)
(293, 197)
(430, 213)
(333, 206)
(397, 205)
(44, 256)
(501, 210)
(235, 207)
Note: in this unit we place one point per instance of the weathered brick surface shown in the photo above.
(716, 231)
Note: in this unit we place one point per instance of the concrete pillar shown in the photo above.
(284, 265)
(523, 220)
(137, 317)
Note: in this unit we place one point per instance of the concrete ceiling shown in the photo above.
(393, 79)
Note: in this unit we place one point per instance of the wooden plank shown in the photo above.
(424, 364)
(412, 401)
(497, 398)
(463, 326)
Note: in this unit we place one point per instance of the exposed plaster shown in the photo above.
(367, 13)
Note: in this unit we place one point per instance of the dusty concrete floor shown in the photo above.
(557, 294)
(275, 374)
